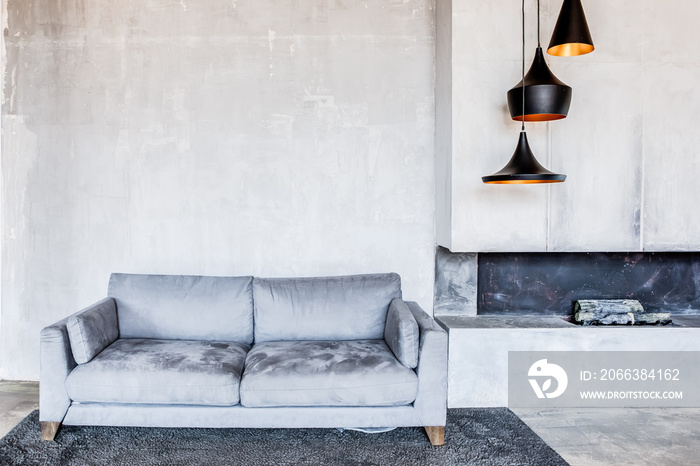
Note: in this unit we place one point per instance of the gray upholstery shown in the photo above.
(161, 371)
(183, 307)
(325, 373)
(92, 330)
(431, 399)
(180, 360)
(56, 363)
(115, 414)
(401, 333)
(330, 308)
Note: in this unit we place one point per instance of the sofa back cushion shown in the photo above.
(401, 333)
(329, 308)
(183, 307)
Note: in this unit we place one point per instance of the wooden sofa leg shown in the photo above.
(49, 429)
(436, 434)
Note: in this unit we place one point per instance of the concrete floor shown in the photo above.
(582, 437)
(17, 399)
(619, 436)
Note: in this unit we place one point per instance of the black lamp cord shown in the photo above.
(538, 23)
(523, 74)
(538, 45)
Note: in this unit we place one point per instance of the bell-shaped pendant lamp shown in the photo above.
(546, 97)
(571, 35)
(523, 167)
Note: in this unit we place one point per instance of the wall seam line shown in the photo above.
(549, 190)
(642, 199)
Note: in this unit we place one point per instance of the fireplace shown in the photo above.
(493, 304)
(547, 284)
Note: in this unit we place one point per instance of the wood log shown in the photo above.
(616, 312)
(606, 311)
(596, 318)
(608, 306)
(653, 318)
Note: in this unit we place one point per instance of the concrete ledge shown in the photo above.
(455, 322)
(479, 346)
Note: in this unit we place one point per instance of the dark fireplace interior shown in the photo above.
(549, 283)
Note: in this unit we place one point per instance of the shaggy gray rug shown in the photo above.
(488, 436)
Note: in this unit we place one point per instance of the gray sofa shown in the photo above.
(188, 351)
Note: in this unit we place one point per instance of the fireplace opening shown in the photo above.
(550, 283)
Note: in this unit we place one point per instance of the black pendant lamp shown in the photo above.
(523, 167)
(546, 97)
(571, 35)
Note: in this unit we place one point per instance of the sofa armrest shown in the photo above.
(57, 362)
(431, 399)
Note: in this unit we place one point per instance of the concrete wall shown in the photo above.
(456, 283)
(478, 365)
(628, 146)
(443, 122)
(275, 138)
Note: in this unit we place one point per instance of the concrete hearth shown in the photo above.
(479, 346)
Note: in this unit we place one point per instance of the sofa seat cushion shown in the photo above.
(161, 372)
(326, 373)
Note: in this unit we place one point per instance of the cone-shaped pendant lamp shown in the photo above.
(571, 35)
(546, 97)
(523, 167)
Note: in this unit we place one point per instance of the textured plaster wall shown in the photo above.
(456, 281)
(443, 122)
(275, 138)
(628, 146)
(473, 383)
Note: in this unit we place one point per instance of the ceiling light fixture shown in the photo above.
(547, 98)
(523, 167)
